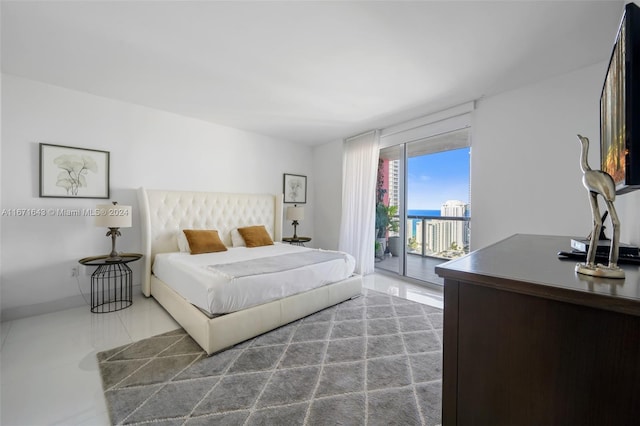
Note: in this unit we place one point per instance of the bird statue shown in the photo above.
(600, 183)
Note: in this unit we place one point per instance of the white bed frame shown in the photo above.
(164, 213)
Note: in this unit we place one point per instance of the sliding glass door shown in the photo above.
(423, 206)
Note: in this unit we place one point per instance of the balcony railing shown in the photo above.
(424, 253)
(443, 237)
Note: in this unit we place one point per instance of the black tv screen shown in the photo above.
(620, 106)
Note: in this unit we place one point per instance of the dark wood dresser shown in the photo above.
(527, 341)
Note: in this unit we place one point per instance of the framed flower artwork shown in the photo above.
(295, 189)
(69, 172)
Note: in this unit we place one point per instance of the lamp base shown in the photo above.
(113, 256)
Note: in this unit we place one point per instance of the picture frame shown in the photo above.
(294, 188)
(71, 172)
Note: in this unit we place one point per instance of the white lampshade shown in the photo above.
(295, 213)
(113, 216)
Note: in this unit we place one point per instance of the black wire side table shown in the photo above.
(111, 282)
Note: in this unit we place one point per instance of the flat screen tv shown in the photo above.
(620, 106)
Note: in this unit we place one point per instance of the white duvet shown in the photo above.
(215, 293)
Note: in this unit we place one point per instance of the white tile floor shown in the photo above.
(48, 369)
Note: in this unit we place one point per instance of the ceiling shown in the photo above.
(307, 72)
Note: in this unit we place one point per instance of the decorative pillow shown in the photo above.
(236, 239)
(255, 236)
(204, 241)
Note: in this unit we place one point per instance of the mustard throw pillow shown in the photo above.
(255, 236)
(204, 241)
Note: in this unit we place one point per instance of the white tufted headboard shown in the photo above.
(164, 213)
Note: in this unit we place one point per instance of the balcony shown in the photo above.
(431, 240)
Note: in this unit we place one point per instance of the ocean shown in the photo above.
(423, 212)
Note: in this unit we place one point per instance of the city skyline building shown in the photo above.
(394, 182)
(444, 238)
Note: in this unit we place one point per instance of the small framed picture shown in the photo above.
(69, 172)
(295, 189)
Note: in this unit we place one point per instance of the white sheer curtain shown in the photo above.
(359, 172)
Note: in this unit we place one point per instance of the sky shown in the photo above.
(436, 178)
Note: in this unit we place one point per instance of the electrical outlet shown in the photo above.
(75, 271)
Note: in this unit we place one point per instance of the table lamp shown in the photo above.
(113, 216)
(295, 214)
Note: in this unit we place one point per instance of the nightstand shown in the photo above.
(111, 282)
(297, 241)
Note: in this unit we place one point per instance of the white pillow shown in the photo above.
(183, 243)
(236, 239)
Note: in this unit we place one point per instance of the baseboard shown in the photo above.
(10, 314)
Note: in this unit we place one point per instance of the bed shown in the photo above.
(164, 214)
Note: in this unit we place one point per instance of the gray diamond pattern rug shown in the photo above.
(372, 360)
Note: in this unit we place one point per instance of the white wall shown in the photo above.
(148, 148)
(525, 174)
